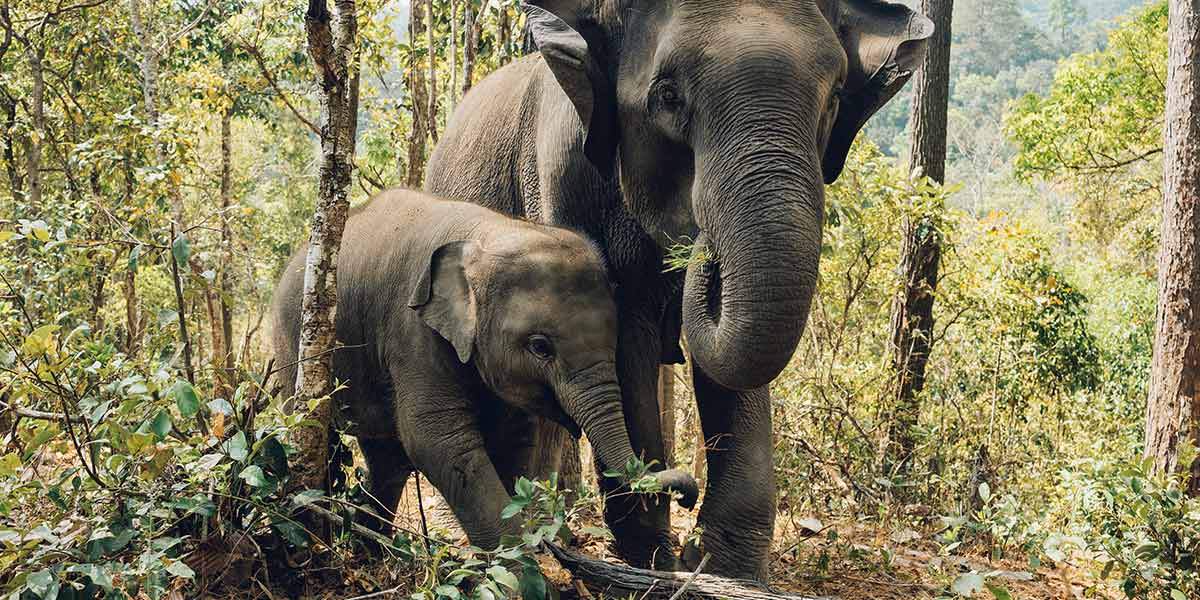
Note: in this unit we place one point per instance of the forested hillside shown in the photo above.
(161, 160)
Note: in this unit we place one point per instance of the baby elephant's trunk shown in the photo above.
(592, 398)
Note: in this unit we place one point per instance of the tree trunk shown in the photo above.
(224, 366)
(912, 312)
(470, 45)
(331, 44)
(419, 99)
(432, 118)
(666, 410)
(452, 56)
(37, 113)
(15, 182)
(504, 25)
(1173, 409)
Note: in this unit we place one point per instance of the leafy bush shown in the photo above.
(1144, 527)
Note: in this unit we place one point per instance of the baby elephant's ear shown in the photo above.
(444, 298)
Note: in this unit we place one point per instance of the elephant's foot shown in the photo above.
(655, 552)
(735, 554)
(643, 538)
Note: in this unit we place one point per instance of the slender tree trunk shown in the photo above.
(133, 318)
(430, 24)
(37, 113)
(470, 45)
(224, 365)
(666, 410)
(420, 101)
(912, 312)
(1173, 410)
(15, 182)
(504, 25)
(452, 56)
(332, 44)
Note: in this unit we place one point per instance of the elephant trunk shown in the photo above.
(592, 397)
(760, 210)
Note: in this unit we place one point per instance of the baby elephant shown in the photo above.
(459, 322)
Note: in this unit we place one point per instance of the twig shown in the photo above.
(683, 588)
(29, 413)
(421, 511)
(379, 594)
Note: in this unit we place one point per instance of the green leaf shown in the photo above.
(98, 574)
(447, 591)
(253, 476)
(523, 488)
(220, 406)
(307, 497)
(533, 584)
(181, 248)
(43, 584)
(967, 584)
(236, 447)
(985, 491)
(180, 569)
(186, 399)
(504, 577)
(514, 508)
(9, 464)
(39, 342)
(999, 592)
(1177, 595)
(161, 426)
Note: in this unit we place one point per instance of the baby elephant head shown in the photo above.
(532, 309)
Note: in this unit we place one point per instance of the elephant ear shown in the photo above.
(573, 46)
(885, 43)
(444, 298)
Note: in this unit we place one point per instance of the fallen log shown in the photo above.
(620, 581)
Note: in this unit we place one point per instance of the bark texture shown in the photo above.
(912, 313)
(419, 97)
(37, 113)
(332, 43)
(223, 339)
(431, 56)
(612, 580)
(470, 45)
(1173, 409)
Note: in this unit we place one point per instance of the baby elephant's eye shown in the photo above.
(540, 346)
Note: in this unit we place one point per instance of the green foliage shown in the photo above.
(1105, 109)
(1146, 529)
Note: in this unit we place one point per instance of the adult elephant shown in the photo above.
(719, 121)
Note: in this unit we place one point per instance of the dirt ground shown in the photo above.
(863, 562)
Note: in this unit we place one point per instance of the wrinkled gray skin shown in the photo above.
(461, 322)
(643, 121)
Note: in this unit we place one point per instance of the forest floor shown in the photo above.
(861, 561)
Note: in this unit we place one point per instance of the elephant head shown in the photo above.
(723, 120)
(532, 310)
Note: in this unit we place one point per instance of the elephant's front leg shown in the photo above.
(444, 442)
(737, 518)
(641, 525)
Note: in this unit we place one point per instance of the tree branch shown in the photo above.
(266, 73)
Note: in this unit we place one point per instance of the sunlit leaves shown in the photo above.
(1105, 109)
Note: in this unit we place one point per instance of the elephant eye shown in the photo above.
(665, 95)
(540, 346)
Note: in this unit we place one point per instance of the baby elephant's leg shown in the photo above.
(444, 442)
(389, 469)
